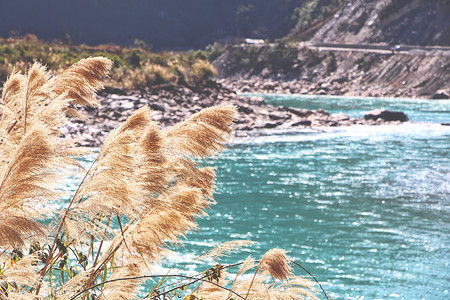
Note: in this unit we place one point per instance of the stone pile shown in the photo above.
(333, 85)
(172, 104)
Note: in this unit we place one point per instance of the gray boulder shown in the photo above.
(386, 115)
(441, 94)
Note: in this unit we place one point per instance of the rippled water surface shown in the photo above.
(422, 110)
(365, 209)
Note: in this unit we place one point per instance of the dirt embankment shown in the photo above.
(351, 74)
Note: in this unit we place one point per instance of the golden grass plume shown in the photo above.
(142, 193)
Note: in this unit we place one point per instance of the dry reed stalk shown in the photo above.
(23, 272)
(276, 263)
(34, 157)
(124, 290)
(82, 80)
(27, 181)
(170, 198)
(248, 263)
(154, 181)
(74, 285)
(225, 249)
(215, 291)
(203, 134)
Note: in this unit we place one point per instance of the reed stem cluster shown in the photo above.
(143, 192)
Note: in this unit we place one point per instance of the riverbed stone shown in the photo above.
(170, 105)
(441, 94)
(386, 115)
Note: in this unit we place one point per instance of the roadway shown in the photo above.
(382, 49)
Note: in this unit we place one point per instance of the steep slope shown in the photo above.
(346, 73)
(413, 22)
(356, 73)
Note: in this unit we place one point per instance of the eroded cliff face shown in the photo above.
(364, 73)
(349, 73)
(413, 22)
(405, 75)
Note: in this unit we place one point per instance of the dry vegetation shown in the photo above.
(140, 195)
(132, 68)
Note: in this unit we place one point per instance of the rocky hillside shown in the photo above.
(413, 22)
(291, 68)
(181, 24)
(347, 73)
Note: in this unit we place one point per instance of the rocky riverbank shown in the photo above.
(342, 73)
(171, 104)
(352, 85)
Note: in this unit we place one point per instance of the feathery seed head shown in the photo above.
(276, 263)
(82, 80)
(225, 249)
(204, 133)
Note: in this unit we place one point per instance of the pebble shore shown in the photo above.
(172, 104)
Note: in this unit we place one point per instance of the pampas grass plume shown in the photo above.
(139, 197)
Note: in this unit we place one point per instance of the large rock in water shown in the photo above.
(441, 94)
(386, 115)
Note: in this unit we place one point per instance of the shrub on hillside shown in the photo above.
(134, 68)
(312, 12)
(388, 7)
(282, 56)
(201, 71)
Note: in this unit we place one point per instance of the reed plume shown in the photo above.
(276, 263)
(82, 80)
(225, 249)
(124, 290)
(142, 193)
(33, 153)
(272, 279)
(23, 271)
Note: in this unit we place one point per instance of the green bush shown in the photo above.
(331, 62)
(283, 56)
(129, 65)
(314, 11)
(387, 7)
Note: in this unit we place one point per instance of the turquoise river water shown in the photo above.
(366, 209)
